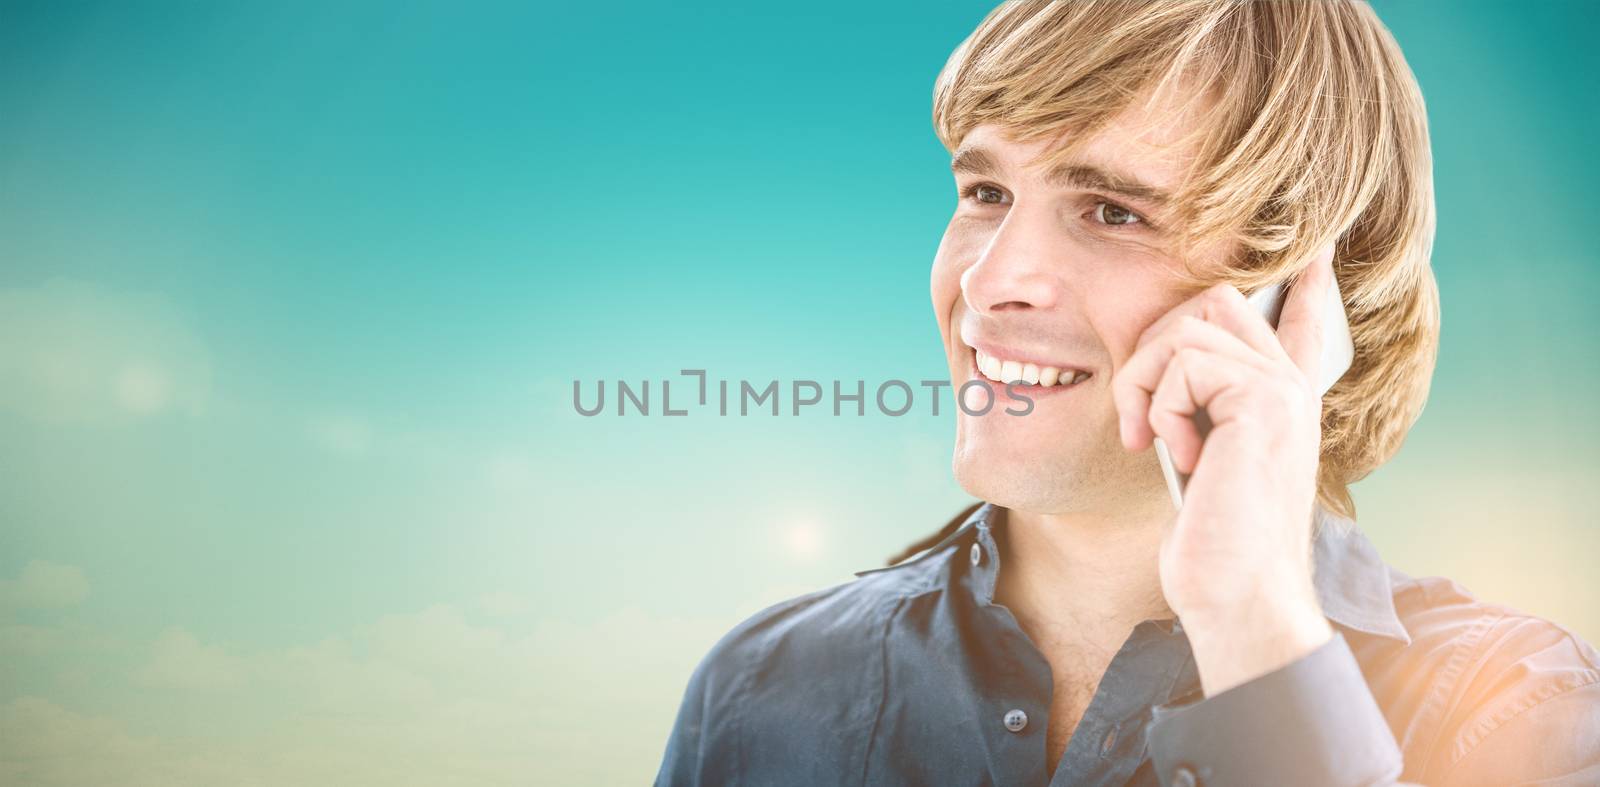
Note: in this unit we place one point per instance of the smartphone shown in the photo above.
(1337, 352)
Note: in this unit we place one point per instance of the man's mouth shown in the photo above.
(1004, 371)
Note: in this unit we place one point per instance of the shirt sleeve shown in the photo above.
(1315, 722)
(681, 764)
(1555, 743)
(1311, 722)
(702, 748)
(1531, 714)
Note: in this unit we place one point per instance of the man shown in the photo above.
(1124, 171)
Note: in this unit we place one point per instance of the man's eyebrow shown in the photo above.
(977, 161)
(973, 161)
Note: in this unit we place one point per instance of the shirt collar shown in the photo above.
(1352, 581)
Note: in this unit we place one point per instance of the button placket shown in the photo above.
(1109, 742)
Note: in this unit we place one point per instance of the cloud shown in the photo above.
(44, 585)
(179, 660)
(501, 604)
(46, 744)
(72, 351)
(24, 641)
(447, 694)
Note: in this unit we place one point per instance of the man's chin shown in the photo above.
(1022, 450)
(1042, 484)
(1054, 479)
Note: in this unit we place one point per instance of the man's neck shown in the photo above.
(1083, 579)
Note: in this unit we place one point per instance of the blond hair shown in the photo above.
(1313, 129)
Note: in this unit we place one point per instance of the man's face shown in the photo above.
(1063, 273)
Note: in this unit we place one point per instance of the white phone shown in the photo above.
(1338, 350)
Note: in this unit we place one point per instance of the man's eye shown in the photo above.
(984, 193)
(1115, 215)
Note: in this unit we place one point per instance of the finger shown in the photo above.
(1301, 325)
(1193, 380)
(1224, 306)
(1134, 383)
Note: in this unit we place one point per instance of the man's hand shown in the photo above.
(1236, 564)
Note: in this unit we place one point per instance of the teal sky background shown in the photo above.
(292, 297)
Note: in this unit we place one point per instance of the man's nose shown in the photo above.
(1019, 269)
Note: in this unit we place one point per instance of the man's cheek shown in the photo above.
(945, 286)
(1122, 317)
(943, 297)
(957, 253)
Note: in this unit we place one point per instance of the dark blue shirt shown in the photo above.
(912, 674)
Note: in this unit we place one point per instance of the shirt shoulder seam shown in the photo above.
(883, 692)
(761, 648)
(1588, 678)
(1465, 651)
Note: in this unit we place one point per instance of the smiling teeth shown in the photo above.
(1028, 373)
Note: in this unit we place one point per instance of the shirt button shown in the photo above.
(977, 554)
(1016, 720)
(1183, 777)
